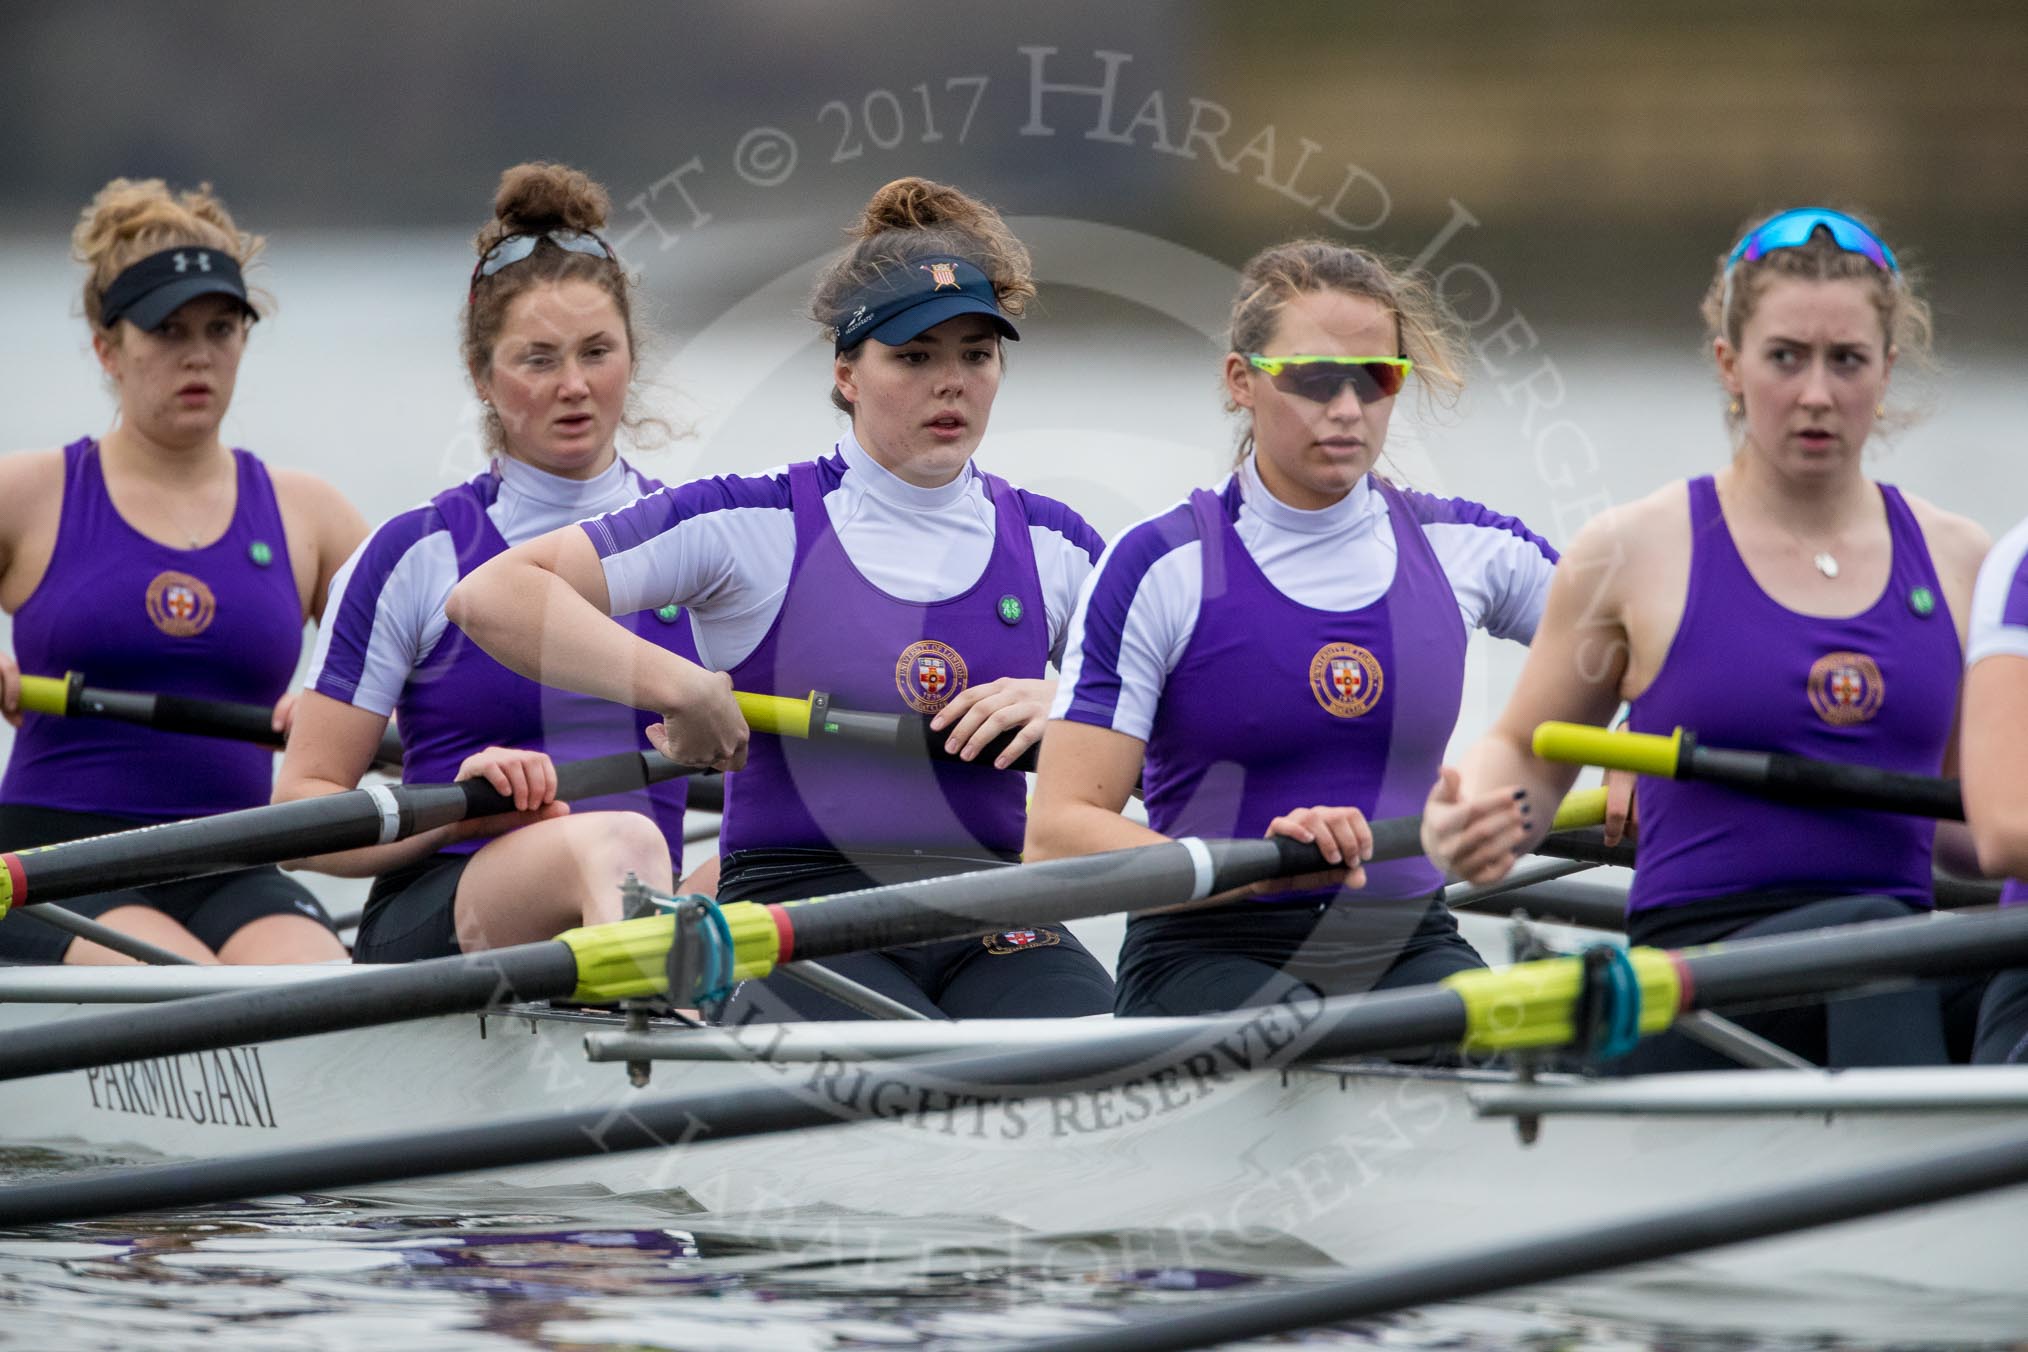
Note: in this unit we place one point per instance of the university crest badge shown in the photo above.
(1846, 688)
(180, 605)
(928, 674)
(1345, 679)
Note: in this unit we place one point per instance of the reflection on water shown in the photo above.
(318, 1273)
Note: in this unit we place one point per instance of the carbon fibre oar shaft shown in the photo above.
(69, 697)
(1534, 1002)
(283, 831)
(1770, 774)
(629, 958)
(813, 718)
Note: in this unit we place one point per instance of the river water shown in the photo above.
(1111, 403)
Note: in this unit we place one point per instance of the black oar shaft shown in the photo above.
(877, 918)
(1996, 1161)
(909, 736)
(358, 1000)
(1234, 1043)
(202, 717)
(1818, 783)
(1243, 1041)
(270, 835)
(1065, 889)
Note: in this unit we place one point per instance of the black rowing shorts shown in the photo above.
(213, 909)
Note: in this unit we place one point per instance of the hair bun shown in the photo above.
(540, 196)
(919, 204)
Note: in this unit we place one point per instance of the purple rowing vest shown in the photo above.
(458, 700)
(1876, 689)
(223, 622)
(1276, 706)
(839, 633)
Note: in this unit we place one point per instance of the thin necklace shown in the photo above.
(1825, 561)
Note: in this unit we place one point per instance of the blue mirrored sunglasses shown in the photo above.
(514, 248)
(1793, 229)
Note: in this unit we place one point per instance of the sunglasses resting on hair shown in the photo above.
(513, 248)
(1793, 229)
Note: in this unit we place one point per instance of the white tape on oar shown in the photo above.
(1200, 860)
(390, 812)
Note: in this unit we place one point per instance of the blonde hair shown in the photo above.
(1730, 301)
(129, 219)
(1425, 330)
(908, 219)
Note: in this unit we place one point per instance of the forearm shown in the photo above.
(1500, 761)
(367, 861)
(1069, 827)
(535, 623)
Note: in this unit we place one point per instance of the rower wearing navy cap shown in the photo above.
(157, 558)
(549, 345)
(1285, 655)
(893, 573)
(1786, 603)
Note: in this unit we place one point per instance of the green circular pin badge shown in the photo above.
(1922, 601)
(668, 614)
(1010, 609)
(260, 553)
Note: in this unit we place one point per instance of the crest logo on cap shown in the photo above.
(203, 261)
(180, 605)
(1846, 688)
(929, 674)
(943, 274)
(1345, 679)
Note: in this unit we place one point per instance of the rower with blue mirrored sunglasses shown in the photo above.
(1320, 378)
(513, 248)
(1793, 229)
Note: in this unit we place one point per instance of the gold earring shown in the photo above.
(1735, 408)
(1880, 410)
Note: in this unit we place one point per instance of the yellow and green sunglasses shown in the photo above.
(1320, 378)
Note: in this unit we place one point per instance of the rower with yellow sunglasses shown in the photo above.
(1285, 654)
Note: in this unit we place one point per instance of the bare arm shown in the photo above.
(1993, 749)
(1086, 776)
(333, 744)
(1499, 801)
(541, 609)
(1957, 546)
(330, 526)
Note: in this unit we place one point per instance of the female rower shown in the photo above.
(1785, 603)
(1996, 792)
(893, 573)
(158, 558)
(1296, 637)
(548, 339)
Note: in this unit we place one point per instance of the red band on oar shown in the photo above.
(785, 935)
(1686, 982)
(17, 884)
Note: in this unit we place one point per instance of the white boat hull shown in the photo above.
(1363, 1165)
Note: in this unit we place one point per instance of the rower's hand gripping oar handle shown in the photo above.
(280, 832)
(814, 717)
(68, 696)
(1771, 774)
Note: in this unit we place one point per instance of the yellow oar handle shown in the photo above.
(1586, 807)
(1580, 744)
(777, 715)
(45, 695)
